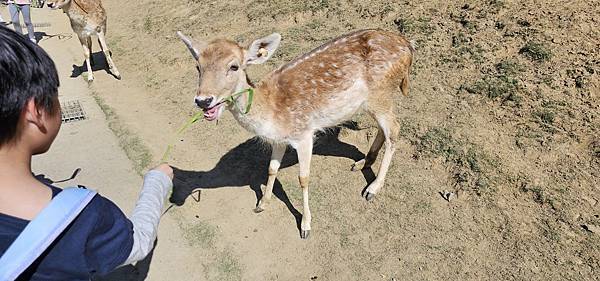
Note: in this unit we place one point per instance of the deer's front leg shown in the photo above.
(87, 54)
(304, 150)
(278, 150)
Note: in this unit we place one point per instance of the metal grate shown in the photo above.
(72, 111)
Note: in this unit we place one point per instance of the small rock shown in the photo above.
(591, 228)
(447, 195)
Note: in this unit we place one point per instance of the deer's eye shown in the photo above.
(234, 67)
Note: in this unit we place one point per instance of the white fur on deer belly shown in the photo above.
(341, 106)
(89, 30)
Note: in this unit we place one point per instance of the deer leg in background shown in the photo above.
(372, 155)
(278, 150)
(111, 64)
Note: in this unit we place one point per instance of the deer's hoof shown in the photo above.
(358, 165)
(258, 210)
(118, 76)
(304, 234)
(369, 196)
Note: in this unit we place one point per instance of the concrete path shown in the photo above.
(91, 146)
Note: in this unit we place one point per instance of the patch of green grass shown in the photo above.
(369, 10)
(133, 146)
(148, 25)
(550, 231)
(465, 50)
(594, 147)
(496, 4)
(540, 196)
(470, 26)
(500, 84)
(228, 267)
(470, 167)
(199, 234)
(422, 207)
(438, 142)
(546, 116)
(536, 192)
(494, 87)
(468, 163)
(418, 26)
(272, 9)
(536, 51)
(508, 68)
(313, 6)
(460, 39)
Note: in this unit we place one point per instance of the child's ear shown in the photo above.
(33, 114)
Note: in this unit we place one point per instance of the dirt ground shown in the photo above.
(504, 112)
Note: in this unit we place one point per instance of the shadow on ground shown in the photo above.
(247, 165)
(98, 61)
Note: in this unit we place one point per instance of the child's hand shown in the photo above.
(165, 168)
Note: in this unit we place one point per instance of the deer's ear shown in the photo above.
(194, 46)
(262, 49)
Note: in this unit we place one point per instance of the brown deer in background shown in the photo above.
(362, 70)
(88, 18)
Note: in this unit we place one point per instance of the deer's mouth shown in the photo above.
(214, 112)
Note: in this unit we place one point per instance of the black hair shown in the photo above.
(26, 72)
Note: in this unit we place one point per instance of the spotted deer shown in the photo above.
(323, 88)
(88, 18)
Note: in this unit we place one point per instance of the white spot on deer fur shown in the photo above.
(321, 64)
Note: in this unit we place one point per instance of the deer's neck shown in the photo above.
(259, 119)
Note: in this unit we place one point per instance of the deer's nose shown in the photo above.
(203, 103)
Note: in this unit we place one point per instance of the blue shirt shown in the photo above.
(96, 242)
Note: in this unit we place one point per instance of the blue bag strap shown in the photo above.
(43, 230)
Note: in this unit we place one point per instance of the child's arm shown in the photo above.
(148, 209)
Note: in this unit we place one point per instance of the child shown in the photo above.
(21, 6)
(2, 22)
(101, 238)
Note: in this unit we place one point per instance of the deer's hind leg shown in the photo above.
(382, 110)
(372, 154)
(107, 54)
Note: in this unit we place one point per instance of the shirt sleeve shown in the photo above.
(111, 240)
(147, 213)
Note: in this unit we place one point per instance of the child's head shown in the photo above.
(29, 107)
